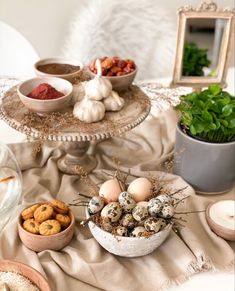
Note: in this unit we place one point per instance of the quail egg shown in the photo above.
(139, 213)
(167, 211)
(110, 190)
(152, 224)
(140, 189)
(126, 201)
(112, 211)
(163, 223)
(106, 225)
(121, 230)
(143, 203)
(138, 231)
(165, 199)
(95, 204)
(128, 220)
(154, 206)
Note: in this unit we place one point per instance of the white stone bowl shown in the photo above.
(49, 105)
(128, 246)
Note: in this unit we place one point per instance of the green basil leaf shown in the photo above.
(212, 126)
(215, 89)
(191, 97)
(224, 122)
(217, 123)
(193, 130)
(187, 117)
(206, 116)
(232, 123)
(199, 126)
(227, 110)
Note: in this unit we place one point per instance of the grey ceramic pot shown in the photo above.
(208, 167)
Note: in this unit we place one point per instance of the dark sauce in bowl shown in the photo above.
(58, 69)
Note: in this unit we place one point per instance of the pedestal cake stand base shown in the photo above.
(76, 160)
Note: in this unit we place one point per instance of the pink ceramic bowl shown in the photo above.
(40, 243)
(33, 275)
(119, 83)
(49, 105)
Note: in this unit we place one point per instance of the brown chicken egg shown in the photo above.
(140, 189)
(110, 190)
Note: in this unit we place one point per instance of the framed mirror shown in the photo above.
(205, 41)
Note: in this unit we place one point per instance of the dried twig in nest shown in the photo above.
(190, 212)
(175, 204)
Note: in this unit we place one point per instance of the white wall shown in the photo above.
(45, 22)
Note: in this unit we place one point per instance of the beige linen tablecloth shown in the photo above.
(84, 264)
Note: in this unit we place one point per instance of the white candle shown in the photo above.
(221, 218)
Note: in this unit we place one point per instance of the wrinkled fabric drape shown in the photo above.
(84, 264)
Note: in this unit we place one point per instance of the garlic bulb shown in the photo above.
(114, 102)
(99, 87)
(78, 93)
(89, 110)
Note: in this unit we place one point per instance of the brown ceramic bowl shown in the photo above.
(33, 275)
(40, 243)
(49, 105)
(220, 230)
(67, 76)
(119, 83)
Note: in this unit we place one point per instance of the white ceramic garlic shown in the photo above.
(89, 110)
(114, 102)
(98, 88)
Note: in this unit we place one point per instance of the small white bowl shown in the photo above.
(128, 246)
(218, 226)
(70, 77)
(45, 106)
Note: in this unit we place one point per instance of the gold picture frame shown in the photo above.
(207, 10)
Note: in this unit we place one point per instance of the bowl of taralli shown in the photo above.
(46, 226)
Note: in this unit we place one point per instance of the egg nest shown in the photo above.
(128, 210)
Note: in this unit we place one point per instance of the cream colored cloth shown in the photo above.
(84, 264)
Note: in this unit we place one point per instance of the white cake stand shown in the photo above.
(75, 135)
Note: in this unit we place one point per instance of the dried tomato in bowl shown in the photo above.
(114, 66)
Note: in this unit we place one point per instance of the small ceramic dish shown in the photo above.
(40, 243)
(64, 61)
(219, 216)
(119, 83)
(49, 105)
(30, 273)
(128, 246)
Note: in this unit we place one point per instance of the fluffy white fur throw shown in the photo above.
(138, 29)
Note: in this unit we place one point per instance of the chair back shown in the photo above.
(17, 55)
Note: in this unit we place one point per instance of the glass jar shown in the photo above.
(10, 184)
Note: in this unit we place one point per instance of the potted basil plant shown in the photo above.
(205, 140)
